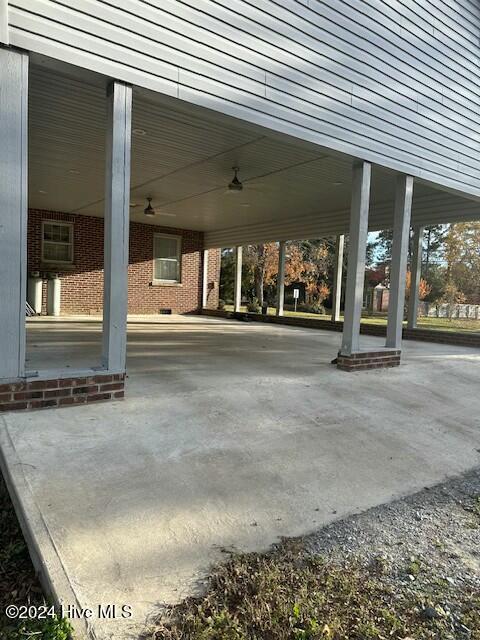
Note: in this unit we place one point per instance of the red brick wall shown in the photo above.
(213, 278)
(82, 285)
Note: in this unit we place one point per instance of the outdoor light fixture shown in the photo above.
(139, 132)
(235, 184)
(149, 210)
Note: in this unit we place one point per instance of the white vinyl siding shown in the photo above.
(57, 242)
(167, 258)
(396, 82)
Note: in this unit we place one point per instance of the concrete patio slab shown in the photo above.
(232, 435)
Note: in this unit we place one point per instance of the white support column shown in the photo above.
(205, 279)
(357, 249)
(416, 273)
(13, 210)
(337, 278)
(398, 269)
(4, 36)
(282, 250)
(238, 279)
(117, 212)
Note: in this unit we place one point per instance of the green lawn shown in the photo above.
(442, 324)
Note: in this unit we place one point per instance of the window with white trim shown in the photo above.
(167, 258)
(57, 242)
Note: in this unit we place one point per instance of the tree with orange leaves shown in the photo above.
(423, 287)
(306, 262)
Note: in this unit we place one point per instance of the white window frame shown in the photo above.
(170, 236)
(64, 224)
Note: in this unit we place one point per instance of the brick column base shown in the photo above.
(33, 393)
(363, 360)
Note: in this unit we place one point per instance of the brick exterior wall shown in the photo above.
(63, 392)
(213, 288)
(82, 283)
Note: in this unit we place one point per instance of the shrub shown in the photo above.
(253, 306)
(315, 307)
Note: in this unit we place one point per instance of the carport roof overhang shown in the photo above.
(182, 157)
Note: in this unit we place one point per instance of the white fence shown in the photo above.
(445, 310)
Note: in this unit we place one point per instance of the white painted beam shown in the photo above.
(238, 279)
(357, 248)
(4, 39)
(13, 210)
(205, 279)
(337, 278)
(117, 211)
(398, 268)
(416, 274)
(282, 246)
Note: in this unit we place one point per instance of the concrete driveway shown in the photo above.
(232, 435)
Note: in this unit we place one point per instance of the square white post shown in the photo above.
(238, 279)
(205, 279)
(337, 278)
(416, 274)
(398, 268)
(357, 249)
(4, 35)
(282, 250)
(13, 210)
(117, 212)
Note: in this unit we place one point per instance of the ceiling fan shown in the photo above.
(150, 211)
(236, 185)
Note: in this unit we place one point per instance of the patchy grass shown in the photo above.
(441, 324)
(18, 582)
(290, 595)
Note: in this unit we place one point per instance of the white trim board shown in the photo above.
(4, 33)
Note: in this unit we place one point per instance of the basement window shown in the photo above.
(167, 258)
(57, 242)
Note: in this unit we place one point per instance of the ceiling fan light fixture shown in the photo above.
(235, 184)
(149, 210)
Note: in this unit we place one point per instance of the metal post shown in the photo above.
(117, 212)
(337, 278)
(357, 248)
(281, 277)
(238, 279)
(13, 214)
(416, 273)
(398, 269)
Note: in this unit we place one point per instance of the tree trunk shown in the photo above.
(427, 253)
(259, 274)
(259, 277)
